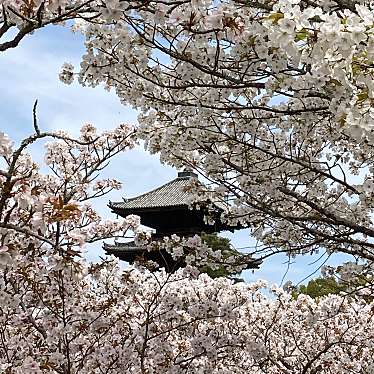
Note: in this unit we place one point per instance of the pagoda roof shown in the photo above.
(172, 194)
(130, 251)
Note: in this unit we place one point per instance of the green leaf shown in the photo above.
(335, 82)
(275, 17)
(362, 96)
(301, 35)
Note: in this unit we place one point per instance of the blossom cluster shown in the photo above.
(23, 17)
(56, 205)
(115, 321)
(5, 144)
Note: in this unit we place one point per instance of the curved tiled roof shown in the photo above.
(174, 193)
(129, 251)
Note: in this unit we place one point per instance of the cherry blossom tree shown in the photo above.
(60, 314)
(270, 100)
(44, 220)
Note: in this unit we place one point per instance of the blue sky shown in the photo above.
(30, 72)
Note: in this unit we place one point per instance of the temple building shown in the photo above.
(167, 210)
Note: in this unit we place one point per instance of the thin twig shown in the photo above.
(35, 120)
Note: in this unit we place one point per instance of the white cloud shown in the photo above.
(30, 72)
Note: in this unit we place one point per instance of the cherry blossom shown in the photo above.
(5, 144)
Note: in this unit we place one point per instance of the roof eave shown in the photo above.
(148, 209)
